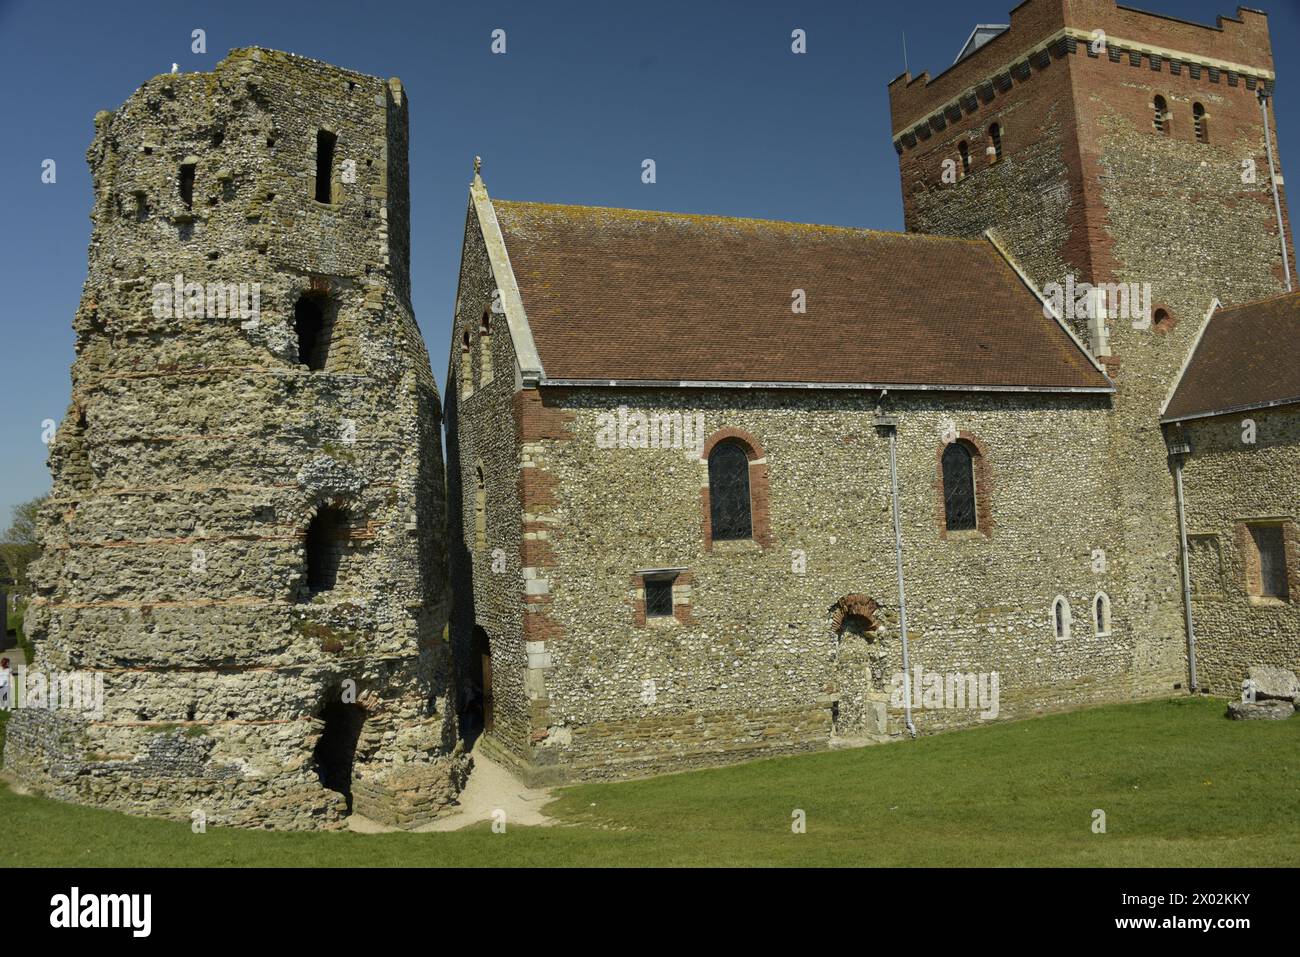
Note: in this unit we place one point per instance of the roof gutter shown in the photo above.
(1245, 407)
(854, 386)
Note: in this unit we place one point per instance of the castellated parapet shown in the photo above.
(245, 535)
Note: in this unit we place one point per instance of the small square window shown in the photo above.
(659, 597)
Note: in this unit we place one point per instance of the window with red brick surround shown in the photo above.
(678, 582)
(983, 479)
(758, 490)
(1270, 557)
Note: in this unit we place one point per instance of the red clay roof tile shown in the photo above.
(653, 296)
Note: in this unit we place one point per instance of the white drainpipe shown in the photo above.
(1178, 451)
(1272, 173)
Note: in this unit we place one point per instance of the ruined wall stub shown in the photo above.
(253, 420)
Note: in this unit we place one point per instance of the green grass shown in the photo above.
(1179, 783)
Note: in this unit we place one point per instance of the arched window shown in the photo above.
(480, 510)
(1101, 614)
(730, 514)
(1161, 320)
(1161, 116)
(958, 487)
(311, 321)
(485, 348)
(326, 536)
(1061, 619)
(1198, 121)
(964, 149)
(995, 138)
(466, 367)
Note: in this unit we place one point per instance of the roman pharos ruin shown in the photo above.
(244, 544)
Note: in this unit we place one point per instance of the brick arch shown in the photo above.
(849, 606)
(1169, 326)
(759, 499)
(983, 476)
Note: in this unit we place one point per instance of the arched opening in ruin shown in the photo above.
(313, 322)
(327, 536)
(336, 750)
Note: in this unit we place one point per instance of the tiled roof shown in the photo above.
(1245, 359)
(650, 296)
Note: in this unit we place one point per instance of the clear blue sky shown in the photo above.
(736, 124)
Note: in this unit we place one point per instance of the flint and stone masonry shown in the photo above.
(1141, 160)
(246, 532)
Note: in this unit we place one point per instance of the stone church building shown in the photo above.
(717, 484)
(715, 488)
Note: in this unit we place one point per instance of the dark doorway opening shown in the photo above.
(478, 708)
(311, 321)
(326, 536)
(337, 748)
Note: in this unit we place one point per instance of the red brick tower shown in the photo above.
(1111, 146)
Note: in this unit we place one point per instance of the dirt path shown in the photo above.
(490, 788)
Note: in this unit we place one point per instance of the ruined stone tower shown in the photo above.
(1109, 146)
(245, 536)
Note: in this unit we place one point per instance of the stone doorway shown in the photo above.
(336, 750)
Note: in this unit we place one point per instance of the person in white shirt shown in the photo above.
(5, 683)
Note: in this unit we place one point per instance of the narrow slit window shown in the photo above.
(187, 184)
(958, 488)
(1101, 613)
(964, 149)
(1061, 619)
(325, 143)
(1161, 120)
(1198, 121)
(995, 137)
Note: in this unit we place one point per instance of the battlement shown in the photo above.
(1235, 47)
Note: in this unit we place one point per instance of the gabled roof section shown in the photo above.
(521, 335)
(627, 297)
(1244, 359)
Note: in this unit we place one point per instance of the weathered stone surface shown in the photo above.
(1274, 683)
(201, 446)
(1274, 710)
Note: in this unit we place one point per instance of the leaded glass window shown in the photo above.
(729, 505)
(958, 487)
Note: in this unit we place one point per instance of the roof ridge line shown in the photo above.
(745, 219)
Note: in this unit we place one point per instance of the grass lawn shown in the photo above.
(1179, 783)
